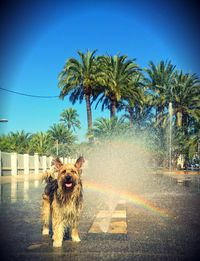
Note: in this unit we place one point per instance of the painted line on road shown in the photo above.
(113, 222)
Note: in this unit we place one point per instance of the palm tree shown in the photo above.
(40, 142)
(132, 100)
(59, 133)
(78, 78)
(69, 117)
(117, 73)
(193, 144)
(185, 93)
(109, 128)
(160, 80)
(64, 140)
(19, 141)
(5, 143)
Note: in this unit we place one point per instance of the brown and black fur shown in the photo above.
(62, 202)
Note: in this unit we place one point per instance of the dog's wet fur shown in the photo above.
(62, 202)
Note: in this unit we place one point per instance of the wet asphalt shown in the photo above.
(150, 236)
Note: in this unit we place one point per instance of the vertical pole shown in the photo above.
(170, 136)
(36, 163)
(26, 164)
(13, 163)
(0, 165)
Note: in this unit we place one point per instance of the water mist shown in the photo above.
(117, 166)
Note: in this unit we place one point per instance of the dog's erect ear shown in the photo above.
(57, 163)
(79, 163)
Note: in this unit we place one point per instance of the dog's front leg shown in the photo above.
(58, 230)
(45, 214)
(58, 233)
(74, 234)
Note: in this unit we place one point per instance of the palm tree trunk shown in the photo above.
(112, 108)
(179, 117)
(89, 112)
(159, 116)
(130, 110)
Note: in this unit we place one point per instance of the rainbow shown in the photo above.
(130, 197)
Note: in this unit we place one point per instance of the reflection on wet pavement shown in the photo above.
(148, 236)
(17, 191)
(192, 182)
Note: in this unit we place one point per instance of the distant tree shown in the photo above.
(5, 143)
(40, 142)
(70, 119)
(15, 142)
(58, 132)
(63, 140)
(20, 141)
(109, 128)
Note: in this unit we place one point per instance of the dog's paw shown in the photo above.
(45, 231)
(76, 239)
(57, 243)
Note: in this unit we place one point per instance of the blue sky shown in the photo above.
(39, 36)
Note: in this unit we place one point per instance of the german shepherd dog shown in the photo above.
(62, 201)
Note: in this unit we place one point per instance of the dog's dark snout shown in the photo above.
(68, 178)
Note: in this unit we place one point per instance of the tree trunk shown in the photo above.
(159, 116)
(130, 110)
(179, 117)
(89, 112)
(112, 108)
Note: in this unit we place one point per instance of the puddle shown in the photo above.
(190, 182)
(36, 245)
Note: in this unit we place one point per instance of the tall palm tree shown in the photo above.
(70, 118)
(78, 78)
(117, 75)
(160, 80)
(185, 93)
(132, 99)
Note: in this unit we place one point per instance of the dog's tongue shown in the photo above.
(68, 185)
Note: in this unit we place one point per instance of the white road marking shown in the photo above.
(111, 222)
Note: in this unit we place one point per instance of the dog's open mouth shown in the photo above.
(68, 185)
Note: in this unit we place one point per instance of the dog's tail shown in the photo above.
(47, 177)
